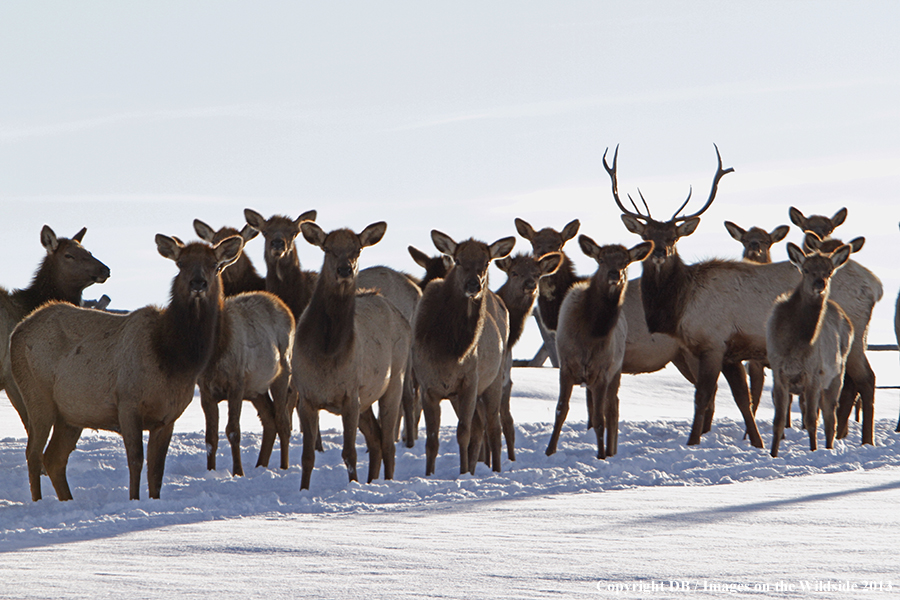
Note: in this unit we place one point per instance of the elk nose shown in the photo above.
(344, 271)
(473, 286)
(102, 274)
(530, 285)
(819, 285)
(278, 245)
(199, 285)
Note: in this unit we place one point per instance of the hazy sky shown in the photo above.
(133, 119)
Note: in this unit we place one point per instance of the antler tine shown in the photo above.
(720, 172)
(615, 186)
(644, 201)
(685, 203)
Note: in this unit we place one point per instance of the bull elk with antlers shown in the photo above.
(718, 309)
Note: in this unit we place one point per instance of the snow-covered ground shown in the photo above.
(652, 522)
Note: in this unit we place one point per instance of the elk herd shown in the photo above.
(379, 347)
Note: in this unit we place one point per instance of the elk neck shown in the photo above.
(603, 304)
(663, 288)
(519, 307)
(190, 332)
(328, 322)
(453, 322)
(805, 315)
(552, 291)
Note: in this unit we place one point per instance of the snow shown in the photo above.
(714, 517)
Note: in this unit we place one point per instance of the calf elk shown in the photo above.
(459, 343)
(808, 339)
(129, 373)
(351, 350)
(591, 341)
(62, 275)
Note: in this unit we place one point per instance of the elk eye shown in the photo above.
(69, 256)
(456, 261)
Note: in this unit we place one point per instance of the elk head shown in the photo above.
(812, 243)
(199, 266)
(73, 266)
(547, 239)
(208, 234)
(757, 242)
(342, 248)
(821, 225)
(436, 267)
(278, 231)
(817, 268)
(524, 271)
(471, 259)
(613, 260)
(663, 234)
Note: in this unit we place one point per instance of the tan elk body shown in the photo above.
(64, 273)
(252, 359)
(80, 368)
(717, 310)
(808, 339)
(459, 343)
(351, 350)
(591, 341)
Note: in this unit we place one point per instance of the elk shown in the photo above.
(821, 225)
(757, 243)
(253, 357)
(591, 341)
(808, 339)
(130, 373)
(351, 350)
(717, 309)
(64, 273)
(284, 277)
(523, 274)
(242, 275)
(459, 343)
(436, 267)
(553, 289)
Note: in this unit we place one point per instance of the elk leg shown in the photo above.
(284, 399)
(309, 428)
(612, 416)
(157, 448)
(56, 456)
(493, 400)
(431, 409)
(811, 414)
(233, 430)
(863, 377)
(412, 409)
(373, 434)
(132, 436)
(781, 399)
(466, 401)
(507, 423)
(589, 400)
(562, 409)
(40, 424)
(15, 396)
(350, 421)
(388, 420)
(478, 449)
(736, 377)
(599, 415)
(265, 410)
(211, 414)
(829, 409)
(757, 374)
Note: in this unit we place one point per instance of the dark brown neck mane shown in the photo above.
(806, 314)
(519, 307)
(452, 322)
(662, 291)
(289, 282)
(553, 289)
(328, 323)
(602, 306)
(187, 335)
(45, 287)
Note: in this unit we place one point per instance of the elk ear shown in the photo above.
(841, 255)
(795, 254)
(503, 264)
(447, 262)
(524, 229)
(640, 252)
(203, 230)
(812, 240)
(779, 233)
(372, 234)
(249, 232)
(254, 219)
(570, 230)
(309, 215)
(48, 239)
(588, 246)
(839, 217)
(688, 227)
(633, 225)
(797, 218)
(80, 235)
(313, 234)
(735, 231)
(856, 244)
(228, 250)
(550, 263)
(502, 247)
(443, 242)
(418, 256)
(168, 247)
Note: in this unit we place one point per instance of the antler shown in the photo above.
(720, 172)
(615, 189)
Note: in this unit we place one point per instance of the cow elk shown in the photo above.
(821, 225)
(523, 275)
(591, 341)
(351, 350)
(64, 273)
(718, 309)
(808, 338)
(284, 277)
(253, 359)
(459, 343)
(129, 373)
(436, 267)
(242, 276)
